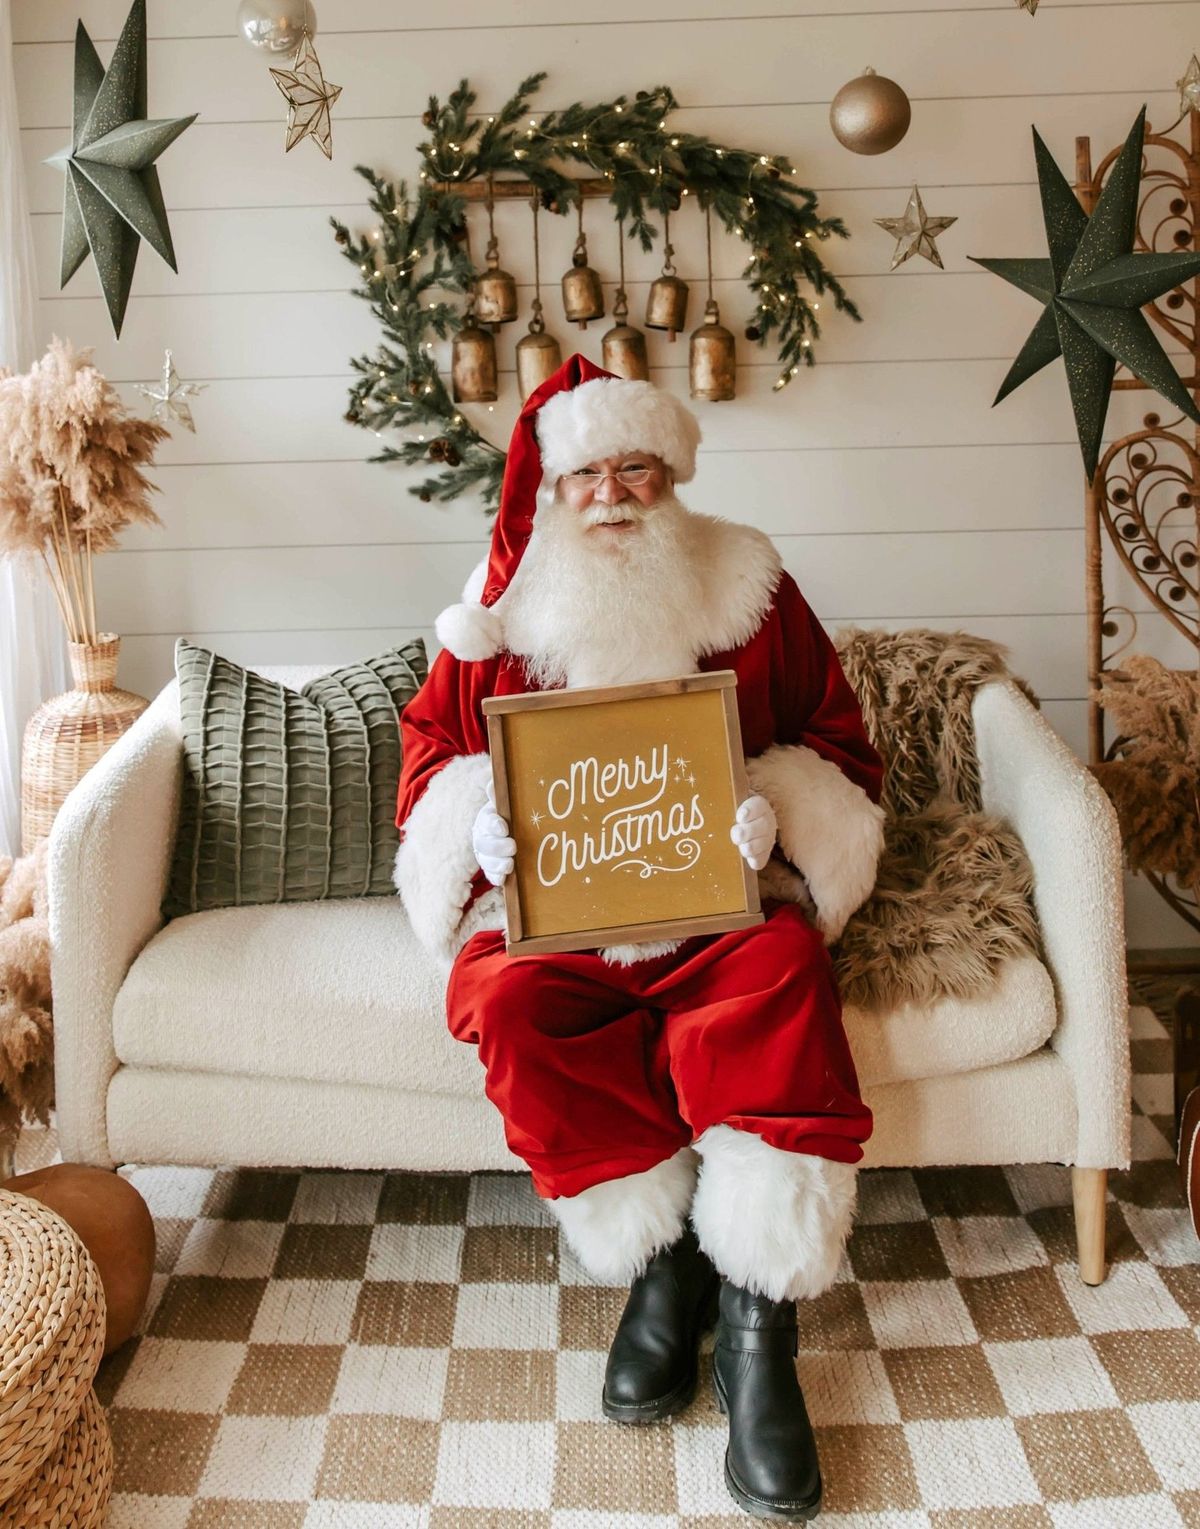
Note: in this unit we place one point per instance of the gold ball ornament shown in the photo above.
(870, 114)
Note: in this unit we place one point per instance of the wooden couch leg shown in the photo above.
(1088, 1186)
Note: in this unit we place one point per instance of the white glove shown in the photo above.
(494, 849)
(754, 831)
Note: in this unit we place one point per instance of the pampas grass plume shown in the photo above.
(71, 478)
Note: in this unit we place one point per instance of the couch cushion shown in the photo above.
(915, 1040)
(342, 990)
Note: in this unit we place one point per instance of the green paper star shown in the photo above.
(1093, 287)
(112, 199)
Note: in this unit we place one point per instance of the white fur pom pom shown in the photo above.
(471, 632)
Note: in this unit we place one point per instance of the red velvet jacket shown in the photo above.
(791, 689)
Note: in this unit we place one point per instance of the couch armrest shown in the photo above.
(108, 861)
(1033, 780)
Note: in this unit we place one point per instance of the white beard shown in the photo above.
(607, 607)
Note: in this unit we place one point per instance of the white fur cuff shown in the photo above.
(773, 1222)
(616, 1227)
(435, 862)
(829, 828)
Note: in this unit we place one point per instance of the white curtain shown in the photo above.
(33, 646)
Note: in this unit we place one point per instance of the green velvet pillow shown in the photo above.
(288, 795)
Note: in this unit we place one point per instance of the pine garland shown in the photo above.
(650, 166)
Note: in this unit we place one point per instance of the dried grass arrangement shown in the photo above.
(1153, 780)
(71, 478)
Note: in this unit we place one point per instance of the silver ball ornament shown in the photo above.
(276, 26)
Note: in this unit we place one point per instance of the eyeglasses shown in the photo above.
(628, 477)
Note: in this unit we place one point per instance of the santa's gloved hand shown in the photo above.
(494, 848)
(754, 831)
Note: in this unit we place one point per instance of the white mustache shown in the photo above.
(612, 514)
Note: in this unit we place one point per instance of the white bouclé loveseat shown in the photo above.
(313, 1034)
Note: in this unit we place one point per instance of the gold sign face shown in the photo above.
(620, 800)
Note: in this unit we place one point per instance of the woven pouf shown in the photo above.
(51, 1342)
(72, 1488)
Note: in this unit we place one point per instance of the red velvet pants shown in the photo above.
(602, 1070)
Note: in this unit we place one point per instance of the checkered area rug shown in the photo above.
(360, 1350)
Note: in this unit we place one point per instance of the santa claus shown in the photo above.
(688, 1108)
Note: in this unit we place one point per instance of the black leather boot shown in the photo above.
(771, 1464)
(651, 1369)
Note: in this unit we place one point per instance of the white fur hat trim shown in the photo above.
(471, 630)
(610, 415)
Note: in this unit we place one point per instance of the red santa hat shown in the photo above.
(578, 415)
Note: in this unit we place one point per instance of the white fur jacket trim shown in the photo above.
(435, 862)
(829, 828)
(740, 566)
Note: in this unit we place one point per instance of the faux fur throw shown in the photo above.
(953, 899)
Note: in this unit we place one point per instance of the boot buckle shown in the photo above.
(757, 1340)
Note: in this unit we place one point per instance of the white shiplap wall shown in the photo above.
(896, 494)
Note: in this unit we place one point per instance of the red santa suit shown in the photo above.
(709, 1075)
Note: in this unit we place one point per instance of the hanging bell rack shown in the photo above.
(513, 189)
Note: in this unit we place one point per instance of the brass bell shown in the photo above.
(666, 306)
(473, 363)
(712, 366)
(495, 291)
(624, 348)
(583, 296)
(538, 354)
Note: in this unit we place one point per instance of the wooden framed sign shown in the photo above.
(620, 799)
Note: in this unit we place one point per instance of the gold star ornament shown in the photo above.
(1189, 88)
(915, 233)
(1028, 5)
(171, 395)
(309, 96)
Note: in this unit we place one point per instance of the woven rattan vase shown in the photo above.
(69, 732)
